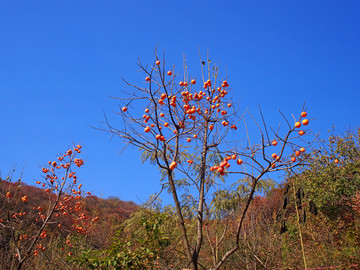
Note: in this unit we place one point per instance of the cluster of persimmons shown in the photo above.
(192, 107)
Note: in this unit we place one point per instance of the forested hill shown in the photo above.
(94, 205)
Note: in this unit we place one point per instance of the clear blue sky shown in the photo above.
(60, 61)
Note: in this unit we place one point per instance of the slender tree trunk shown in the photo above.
(181, 222)
(200, 213)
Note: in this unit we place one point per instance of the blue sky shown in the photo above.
(60, 61)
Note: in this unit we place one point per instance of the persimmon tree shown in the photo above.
(190, 129)
(26, 222)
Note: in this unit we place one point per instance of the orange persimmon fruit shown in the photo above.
(305, 122)
(173, 165)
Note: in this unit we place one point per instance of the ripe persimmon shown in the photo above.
(274, 143)
(302, 149)
(166, 124)
(157, 63)
(239, 161)
(173, 165)
(223, 164)
(297, 124)
(195, 136)
(274, 155)
(188, 140)
(169, 73)
(305, 122)
(336, 160)
(303, 114)
(146, 110)
(124, 109)
(193, 81)
(293, 159)
(147, 79)
(297, 153)
(301, 132)
(211, 127)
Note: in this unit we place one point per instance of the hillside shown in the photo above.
(26, 215)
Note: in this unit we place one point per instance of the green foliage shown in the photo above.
(137, 245)
(332, 185)
(332, 181)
